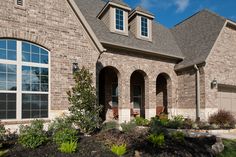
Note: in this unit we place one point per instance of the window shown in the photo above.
(114, 94)
(144, 26)
(137, 96)
(20, 2)
(119, 19)
(24, 80)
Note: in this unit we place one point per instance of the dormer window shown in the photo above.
(119, 16)
(144, 26)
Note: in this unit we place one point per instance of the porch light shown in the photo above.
(75, 67)
(214, 83)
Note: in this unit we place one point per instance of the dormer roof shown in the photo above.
(139, 10)
(115, 3)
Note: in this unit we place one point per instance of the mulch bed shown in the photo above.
(97, 146)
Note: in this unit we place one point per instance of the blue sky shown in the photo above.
(170, 12)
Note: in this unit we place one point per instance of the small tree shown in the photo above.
(84, 109)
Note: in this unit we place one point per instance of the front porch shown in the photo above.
(125, 97)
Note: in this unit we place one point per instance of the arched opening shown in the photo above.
(163, 93)
(108, 93)
(137, 93)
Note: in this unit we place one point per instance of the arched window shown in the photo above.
(24, 80)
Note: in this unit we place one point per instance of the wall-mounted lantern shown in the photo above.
(214, 83)
(75, 67)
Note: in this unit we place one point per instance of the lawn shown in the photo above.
(230, 148)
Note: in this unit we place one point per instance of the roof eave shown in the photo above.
(178, 58)
(141, 13)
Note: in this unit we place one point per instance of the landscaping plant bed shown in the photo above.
(137, 144)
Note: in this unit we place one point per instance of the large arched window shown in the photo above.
(24, 80)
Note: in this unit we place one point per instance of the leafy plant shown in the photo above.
(156, 140)
(32, 136)
(2, 133)
(223, 118)
(157, 126)
(119, 149)
(84, 110)
(188, 123)
(68, 147)
(140, 121)
(178, 135)
(128, 127)
(109, 125)
(58, 124)
(65, 135)
(176, 122)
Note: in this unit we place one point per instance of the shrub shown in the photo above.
(140, 121)
(84, 110)
(2, 133)
(178, 135)
(157, 126)
(128, 127)
(176, 122)
(65, 135)
(59, 123)
(203, 125)
(119, 149)
(188, 123)
(156, 140)
(32, 136)
(109, 125)
(68, 147)
(222, 118)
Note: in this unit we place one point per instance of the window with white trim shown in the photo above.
(119, 14)
(144, 26)
(24, 80)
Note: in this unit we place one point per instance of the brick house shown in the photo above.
(138, 65)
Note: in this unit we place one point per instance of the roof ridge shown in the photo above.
(200, 11)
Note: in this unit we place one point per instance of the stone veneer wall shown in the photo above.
(53, 25)
(221, 64)
(126, 63)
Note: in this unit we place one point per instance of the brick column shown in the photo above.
(124, 98)
(150, 108)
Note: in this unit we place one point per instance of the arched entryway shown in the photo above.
(163, 93)
(108, 92)
(137, 93)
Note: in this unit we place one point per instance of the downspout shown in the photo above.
(198, 93)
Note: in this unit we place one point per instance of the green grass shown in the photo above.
(230, 148)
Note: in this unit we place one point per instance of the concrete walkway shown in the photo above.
(228, 135)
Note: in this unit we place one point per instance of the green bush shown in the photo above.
(176, 122)
(65, 135)
(68, 147)
(128, 127)
(59, 123)
(188, 123)
(109, 125)
(178, 135)
(140, 121)
(84, 110)
(156, 140)
(119, 150)
(224, 119)
(2, 133)
(32, 136)
(157, 126)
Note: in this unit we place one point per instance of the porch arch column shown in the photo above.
(150, 108)
(124, 98)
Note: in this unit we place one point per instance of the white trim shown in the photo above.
(124, 26)
(19, 80)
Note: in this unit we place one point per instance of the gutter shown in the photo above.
(198, 93)
(141, 50)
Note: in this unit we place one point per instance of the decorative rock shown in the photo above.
(218, 147)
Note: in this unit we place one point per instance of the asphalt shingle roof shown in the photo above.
(163, 41)
(196, 36)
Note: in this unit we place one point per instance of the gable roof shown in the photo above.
(163, 42)
(196, 36)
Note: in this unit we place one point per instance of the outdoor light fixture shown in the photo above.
(75, 67)
(214, 83)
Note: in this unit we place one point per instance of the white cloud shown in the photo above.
(181, 5)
